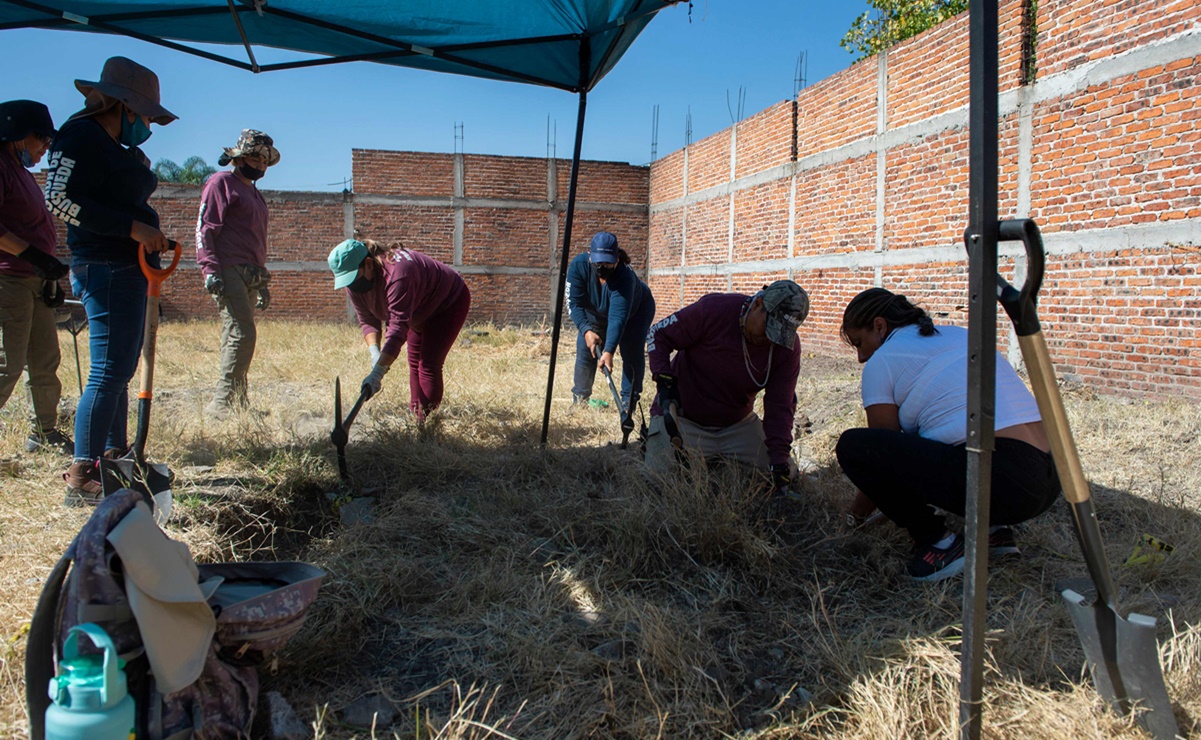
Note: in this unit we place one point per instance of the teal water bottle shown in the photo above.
(91, 699)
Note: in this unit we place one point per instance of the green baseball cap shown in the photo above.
(345, 259)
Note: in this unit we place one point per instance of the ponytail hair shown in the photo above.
(876, 303)
(379, 250)
(623, 257)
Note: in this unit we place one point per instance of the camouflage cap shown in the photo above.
(251, 143)
(787, 305)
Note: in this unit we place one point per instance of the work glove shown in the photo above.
(375, 379)
(52, 294)
(45, 266)
(264, 299)
(374, 351)
(669, 392)
(214, 285)
(781, 479)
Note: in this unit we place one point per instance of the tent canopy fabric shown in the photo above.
(566, 44)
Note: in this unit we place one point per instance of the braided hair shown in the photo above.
(895, 309)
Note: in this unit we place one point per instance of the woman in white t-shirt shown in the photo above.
(912, 456)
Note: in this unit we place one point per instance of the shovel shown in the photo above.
(627, 419)
(132, 471)
(1122, 653)
(341, 433)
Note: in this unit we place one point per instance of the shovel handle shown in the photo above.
(156, 275)
(1021, 305)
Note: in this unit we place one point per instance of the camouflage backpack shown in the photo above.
(258, 607)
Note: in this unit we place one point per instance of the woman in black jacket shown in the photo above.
(100, 184)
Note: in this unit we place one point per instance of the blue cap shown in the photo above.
(603, 248)
(345, 259)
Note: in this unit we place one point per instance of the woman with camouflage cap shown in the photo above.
(99, 182)
(231, 249)
(728, 347)
(29, 273)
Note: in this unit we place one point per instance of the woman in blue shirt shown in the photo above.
(612, 309)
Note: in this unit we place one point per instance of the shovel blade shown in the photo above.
(1123, 657)
(152, 480)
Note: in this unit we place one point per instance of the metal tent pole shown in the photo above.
(563, 260)
(981, 242)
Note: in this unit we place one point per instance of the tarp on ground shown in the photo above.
(567, 44)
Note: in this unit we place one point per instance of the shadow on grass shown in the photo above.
(598, 601)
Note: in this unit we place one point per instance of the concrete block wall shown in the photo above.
(1102, 149)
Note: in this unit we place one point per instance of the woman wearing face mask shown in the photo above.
(612, 308)
(100, 183)
(29, 273)
(231, 249)
(421, 301)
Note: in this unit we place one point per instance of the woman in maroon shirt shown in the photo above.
(29, 272)
(419, 300)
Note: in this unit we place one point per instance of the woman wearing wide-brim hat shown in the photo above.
(100, 184)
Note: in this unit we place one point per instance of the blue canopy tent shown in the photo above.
(570, 45)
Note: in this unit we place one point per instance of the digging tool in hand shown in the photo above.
(1122, 652)
(627, 418)
(341, 432)
(132, 470)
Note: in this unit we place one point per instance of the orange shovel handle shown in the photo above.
(154, 275)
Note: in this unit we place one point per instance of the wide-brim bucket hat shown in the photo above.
(129, 82)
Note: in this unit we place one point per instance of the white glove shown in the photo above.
(375, 379)
(374, 351)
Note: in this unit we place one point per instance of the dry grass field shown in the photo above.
(505, 591)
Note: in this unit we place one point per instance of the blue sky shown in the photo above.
(317, 115)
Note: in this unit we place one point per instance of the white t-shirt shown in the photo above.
(926, 379)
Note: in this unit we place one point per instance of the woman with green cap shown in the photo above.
(408, 298)
(99, 182)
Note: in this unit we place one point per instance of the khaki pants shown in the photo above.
(238, 334)
(743, 442)
(29, 341)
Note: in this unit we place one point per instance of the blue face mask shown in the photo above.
(134, 134)
(25, 158)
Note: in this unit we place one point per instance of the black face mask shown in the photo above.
(604, 273)
(250, 173)
(361, 284)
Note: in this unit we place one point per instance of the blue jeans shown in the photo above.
(114, 297)
(631, 345)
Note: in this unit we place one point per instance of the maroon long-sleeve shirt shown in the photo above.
(23, 213)
(414, 288)
(715, 387)
(232, 226)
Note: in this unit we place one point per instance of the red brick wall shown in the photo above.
(1106, 161)
(410, 196)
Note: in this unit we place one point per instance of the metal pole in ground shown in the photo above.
(981, 241)
(554, 342)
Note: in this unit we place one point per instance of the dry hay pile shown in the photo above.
(499, 590)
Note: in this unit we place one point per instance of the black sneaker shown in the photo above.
(51, 441)
(1002, 543)
(930, 563)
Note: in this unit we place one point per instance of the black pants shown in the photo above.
(904, 475)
